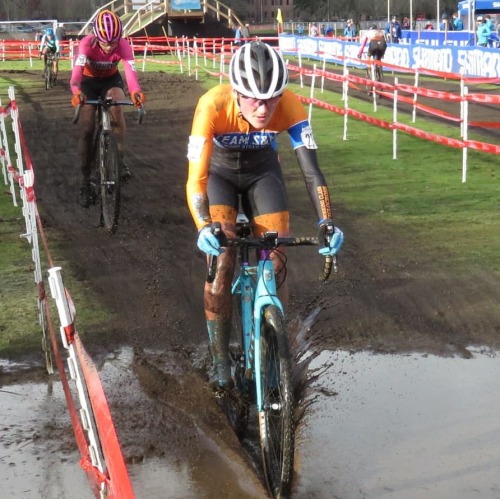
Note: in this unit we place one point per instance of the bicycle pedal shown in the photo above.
(125, 175)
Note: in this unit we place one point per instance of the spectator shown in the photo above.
(493, 39)
(329, 30)
(354, 29)
(245, 33)
(482, 31)
(446, 24)
(405, 24)
(393, 30)
(489, 22)
(300, 29)
(458, 24)
(237, 35)
(429, 25)
(313, 30)
(61, 32)
(350, 31)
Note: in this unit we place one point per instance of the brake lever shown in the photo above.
(76, 117)
(140, 114)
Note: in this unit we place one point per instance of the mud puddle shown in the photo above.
(387, 426)
(397, 426)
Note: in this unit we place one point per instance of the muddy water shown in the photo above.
(383, 426)
(404, 427)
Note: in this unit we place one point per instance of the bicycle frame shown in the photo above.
(106, 161)
(263, 373)
(51, 58)
(49, 73)
(256, 285)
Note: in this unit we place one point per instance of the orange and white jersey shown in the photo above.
(218, 122)
(370, 35)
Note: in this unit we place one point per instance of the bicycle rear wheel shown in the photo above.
(369, 88)
(109, 188)
(276, 418)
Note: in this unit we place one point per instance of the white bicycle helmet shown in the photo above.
(257, 70)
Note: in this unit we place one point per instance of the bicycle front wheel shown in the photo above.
(48, 79)
(109, 188)
(52, 78)
(276, 418)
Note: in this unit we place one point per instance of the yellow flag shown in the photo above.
(279, 17)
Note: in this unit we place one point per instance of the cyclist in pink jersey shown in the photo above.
(95, 74)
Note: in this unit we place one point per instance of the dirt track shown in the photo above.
(150, 273)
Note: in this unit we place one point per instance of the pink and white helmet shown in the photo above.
(107, 27)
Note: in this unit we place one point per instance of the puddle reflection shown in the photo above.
(403, 427)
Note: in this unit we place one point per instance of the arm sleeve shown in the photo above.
(199, 154)
(76, 78)
(77, 71)
(42, 42)
(302, 139)
(360, 52)
(83, 52)
(129, 67)
(315, 182)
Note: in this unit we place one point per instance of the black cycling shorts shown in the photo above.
(98, 87)
(377, 48)
(255, 175)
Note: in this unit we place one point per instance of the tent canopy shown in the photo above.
(479, 7)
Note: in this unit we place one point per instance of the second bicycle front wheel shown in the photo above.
(48, 82)
(276, 417)
(109, 188)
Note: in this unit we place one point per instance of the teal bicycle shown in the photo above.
(262, 367)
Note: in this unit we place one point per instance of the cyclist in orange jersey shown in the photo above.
(233, 155)
(377, 44)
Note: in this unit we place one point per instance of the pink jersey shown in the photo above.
(92, 61)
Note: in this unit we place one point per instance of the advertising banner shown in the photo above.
(472, 61)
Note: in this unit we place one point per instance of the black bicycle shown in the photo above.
(105, 173)
(374, 72)
(48, 72)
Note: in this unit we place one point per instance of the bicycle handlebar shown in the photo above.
(109, 103)
(270, 241)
